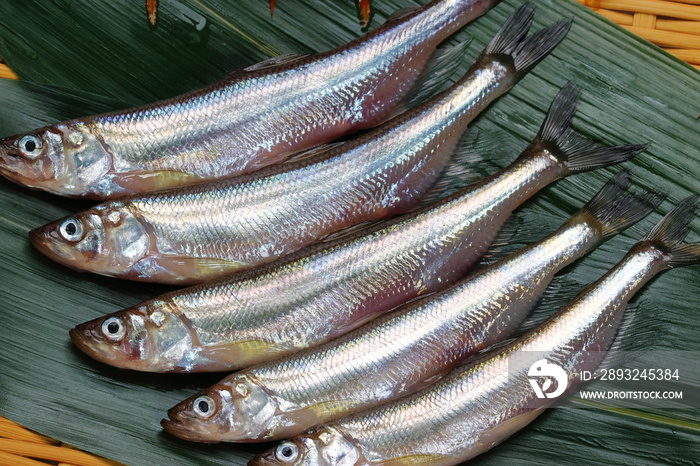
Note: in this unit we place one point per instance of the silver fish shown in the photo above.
(480, 404)
(328, 290)
(402, 352)
(253, 118)
(193, 234)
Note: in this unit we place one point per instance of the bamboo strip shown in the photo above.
(691, 27)
(652, 7)
(692, 2)
(50, 452)
(666, 38)
(616, 16)
(6, 72)
(12, 430)
(14, 460)
(644, 20)
(691, 56)
(65, 445)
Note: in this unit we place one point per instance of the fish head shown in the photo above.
(107, 239)
(323, 445)
(65, 159)
(235, 409)
(149, 337)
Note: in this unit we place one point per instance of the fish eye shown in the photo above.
(203, 405)
(287, 452)
(71, 229)
(30, 146)
(113, 329)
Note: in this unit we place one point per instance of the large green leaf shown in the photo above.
(96, 56)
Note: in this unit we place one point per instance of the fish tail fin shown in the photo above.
(615, 208)
(576, 153)
(526, 52)
(672, 229)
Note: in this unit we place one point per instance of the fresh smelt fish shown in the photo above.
(404, 351)
(189, 235)
(327, 290)
(480, 404)
(253, 118)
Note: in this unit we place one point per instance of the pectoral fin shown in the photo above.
(238, 354)
(179, 270)
(153, 180)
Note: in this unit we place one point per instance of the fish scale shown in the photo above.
(399, 353)
(426, 232)
(481, 403)
(439, 410)
(201, 232)
(250, 119)
(328, 289)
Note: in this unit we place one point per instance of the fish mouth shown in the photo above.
(46, 241)
(15, 176)
(79, 335)
(176, 425)
(41, 238)
(19, 170)
(9, 161)
(86, 338)
(7, 172)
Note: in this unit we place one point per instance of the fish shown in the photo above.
(480, 404)
(252, 118)
(406, 350)
(329, 289)
(193, 234)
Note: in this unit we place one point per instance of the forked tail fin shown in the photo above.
(672, 229)
(526, 52)
(616, 208)
(576, 153)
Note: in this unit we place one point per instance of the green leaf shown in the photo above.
(94, 56)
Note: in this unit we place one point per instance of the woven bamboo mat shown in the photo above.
(674, 26)
(5, 71)
(22, 447)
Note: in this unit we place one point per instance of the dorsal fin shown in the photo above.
(436, 75)
(274, 61)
